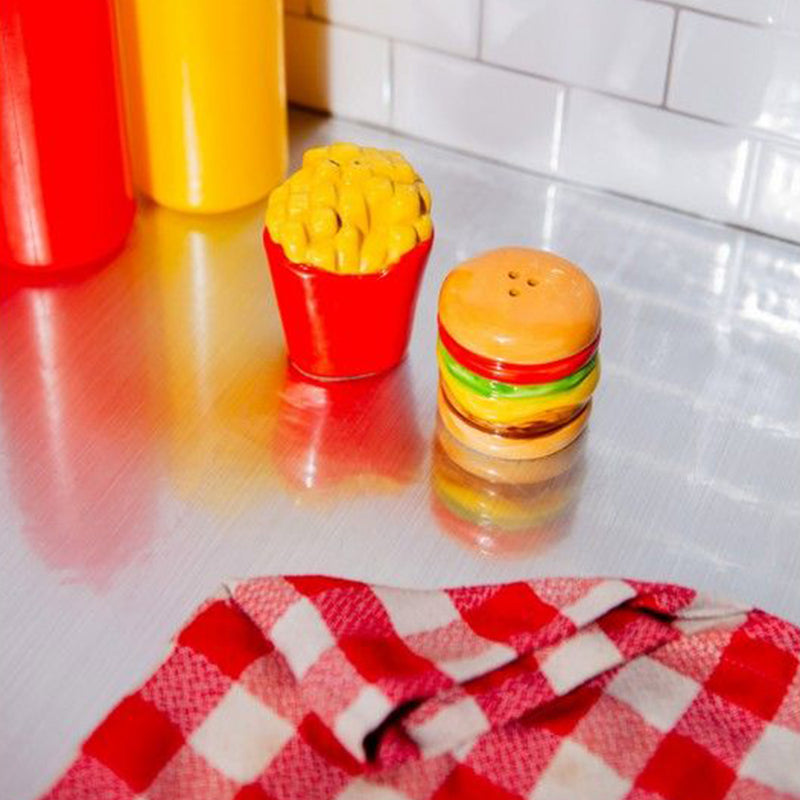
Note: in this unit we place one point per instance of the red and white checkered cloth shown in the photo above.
(317, 688)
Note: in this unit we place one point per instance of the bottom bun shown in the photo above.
(516, 449)
(508, 470)
(511, 513)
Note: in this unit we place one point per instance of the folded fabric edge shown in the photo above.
(691, 608)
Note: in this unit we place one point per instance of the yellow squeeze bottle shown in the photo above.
(205, 90)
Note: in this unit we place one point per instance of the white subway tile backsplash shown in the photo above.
(656, 155)
(790, 18)
(570, 87)
(737, 74)
(471, 106)
(780, 13)
(338, 70)
(450, 25)
(776, 195)
(618, 46)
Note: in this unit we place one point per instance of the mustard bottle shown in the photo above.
(206, 100)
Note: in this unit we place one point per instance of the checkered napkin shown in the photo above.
(317, 688)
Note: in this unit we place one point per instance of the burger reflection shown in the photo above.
(333, 439)
(501, 507)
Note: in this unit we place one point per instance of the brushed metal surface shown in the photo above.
(153, 444)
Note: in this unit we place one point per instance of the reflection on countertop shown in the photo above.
(77, 414)
(498, 507)
(345, 438)
(217, 353)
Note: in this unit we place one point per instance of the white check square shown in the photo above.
(579, 658)
(241, 735)
(660, 695)
(774, 760)
(456, 722)
(576, 772)
(301, 635)
(492, 657)
(417, 612)
(363, 715)
(362, 789)
(597, 601)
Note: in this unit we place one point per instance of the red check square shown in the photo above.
(464, 783)
(507, 613)
(387, 657)
(312, 585)
(562, 714)
(136, 741)
(252, 792)
(680, 769)
(320, 738)
(226, 637)
(753, 674)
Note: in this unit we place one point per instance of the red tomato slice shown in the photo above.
(516, 373)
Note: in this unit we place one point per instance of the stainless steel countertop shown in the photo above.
(152, 444)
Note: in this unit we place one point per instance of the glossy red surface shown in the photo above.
(346, 326)
(66, 197)
(333, 434)
(82, 402)
(520, 374)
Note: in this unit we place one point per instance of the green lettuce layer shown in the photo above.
(489, 388)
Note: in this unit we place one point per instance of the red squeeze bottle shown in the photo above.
(66, 198)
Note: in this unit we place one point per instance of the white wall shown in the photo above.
(692, 104)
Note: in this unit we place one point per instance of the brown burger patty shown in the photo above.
(538, 427)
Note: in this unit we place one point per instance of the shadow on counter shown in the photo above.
(504, 508)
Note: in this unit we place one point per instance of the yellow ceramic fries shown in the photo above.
(350, 209)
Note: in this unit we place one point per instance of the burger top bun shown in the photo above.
(520, 306)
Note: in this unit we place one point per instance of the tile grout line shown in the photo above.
(481, 11)
(702, 12)
(771, 136)
(392, 83)
(670, 57)
(559, 124)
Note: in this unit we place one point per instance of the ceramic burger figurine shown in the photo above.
(517, 350)
(347, 239)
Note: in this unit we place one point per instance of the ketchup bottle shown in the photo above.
(66, 199)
